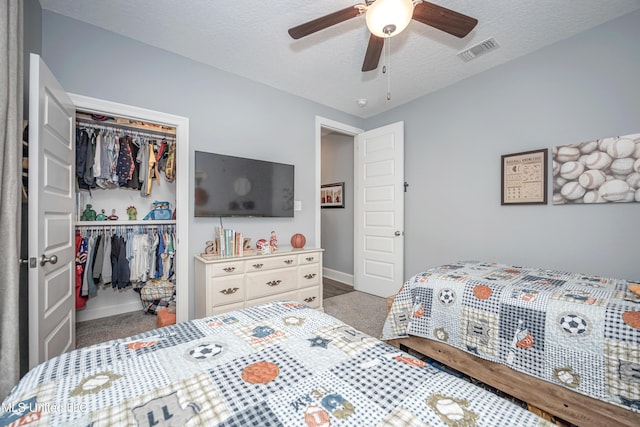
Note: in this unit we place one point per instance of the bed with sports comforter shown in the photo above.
(576, 331)
(279, 364)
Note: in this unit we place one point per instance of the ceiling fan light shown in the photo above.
(394, 15)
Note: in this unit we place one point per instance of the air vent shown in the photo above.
(480, 49)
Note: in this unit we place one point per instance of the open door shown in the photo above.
(379, 210)
(51, 207)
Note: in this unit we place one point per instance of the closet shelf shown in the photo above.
(124, 222)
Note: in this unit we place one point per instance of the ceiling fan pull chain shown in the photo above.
(389, 70)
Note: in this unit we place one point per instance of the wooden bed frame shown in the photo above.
(574, 407)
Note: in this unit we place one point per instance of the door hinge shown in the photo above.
(406, 184)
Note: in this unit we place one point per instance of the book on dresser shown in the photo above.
(231, 283)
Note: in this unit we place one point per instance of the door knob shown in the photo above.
(397, 233)
(43, 259)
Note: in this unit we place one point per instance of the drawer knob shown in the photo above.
(257, 265)
(229, 291)
(310, 299)
(274, 282)
(288, 261)
(229, 269)
(310, 276)
(309, 258)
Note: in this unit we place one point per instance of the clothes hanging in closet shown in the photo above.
(122, 256)
(114, 158)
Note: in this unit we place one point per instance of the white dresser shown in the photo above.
(231, 283)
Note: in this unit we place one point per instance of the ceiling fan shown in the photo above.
(387, 18)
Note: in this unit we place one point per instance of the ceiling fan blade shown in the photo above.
(444, 19)
(324, 22)
(374, 50)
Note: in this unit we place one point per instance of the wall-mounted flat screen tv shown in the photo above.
(237, 186)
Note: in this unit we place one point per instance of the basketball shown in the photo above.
(260, 372)
(298, 241)
(482, 292)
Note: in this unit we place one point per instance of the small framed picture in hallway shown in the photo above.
(332, 195)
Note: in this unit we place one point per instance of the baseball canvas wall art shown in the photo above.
(601, 171)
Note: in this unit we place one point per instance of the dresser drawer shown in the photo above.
(310, 296)
(312, 258)
(225, 308)
(270, 263)
(270, 282)
(309, 275)
(286, 296)
(227, 268)
(226, 290)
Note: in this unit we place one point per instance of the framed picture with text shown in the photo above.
(524, 178)
(332, 195)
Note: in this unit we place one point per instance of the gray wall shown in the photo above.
(579, 89)
(227, 114)
(32, 41)
(337, 224)
(583, 88)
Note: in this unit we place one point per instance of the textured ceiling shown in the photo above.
(249, 38)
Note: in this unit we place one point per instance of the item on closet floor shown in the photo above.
(152, 307)
(159, 211)
(113, 216)
(156, 294)
(165, 318)
(88, 214)
(298, 241)
(132, 213)
(155, 289)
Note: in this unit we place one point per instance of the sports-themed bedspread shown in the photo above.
(280, 364)
(576, 330)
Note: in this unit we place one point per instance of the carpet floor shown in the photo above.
(113, 327)
(364, 312)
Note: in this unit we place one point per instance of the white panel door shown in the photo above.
(379, 210)
(51, 207)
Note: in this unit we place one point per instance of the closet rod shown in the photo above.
(118, 228)
(117, 126)
(125, 223)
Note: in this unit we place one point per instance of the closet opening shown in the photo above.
(125, 225)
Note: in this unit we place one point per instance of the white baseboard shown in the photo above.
(110, 310)
(339, 276)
